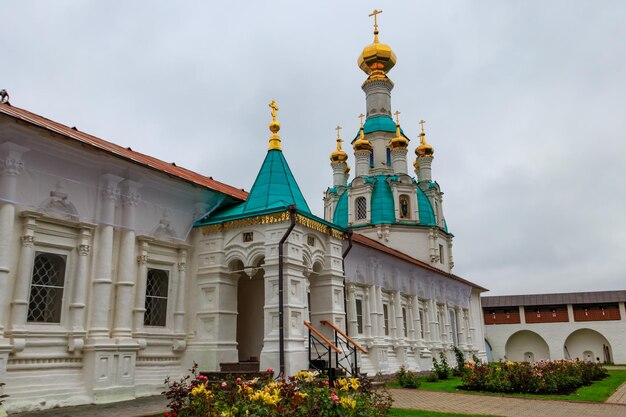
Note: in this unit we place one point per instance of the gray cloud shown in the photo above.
(524, 104)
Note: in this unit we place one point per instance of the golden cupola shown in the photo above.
(399, 142)
(424, 149)
(377, 59)
(362, 144)
(338, 154)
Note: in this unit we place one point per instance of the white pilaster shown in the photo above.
(179, 311)
(140, 293)
(362, 163)
(425, 172)
(398, 161)
(79, 294)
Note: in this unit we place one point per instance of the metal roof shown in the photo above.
(555, 299)
(379, 124)
(119, 151)
(364, 240)
(274, 189)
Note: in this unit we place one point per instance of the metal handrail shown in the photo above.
(345, 336)
(321, 336)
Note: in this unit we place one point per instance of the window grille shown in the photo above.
(248, 236)
(46, 289)
(361, 208)
(386, 319)
(421, 312)
(453, 327)
(156, 298)
(310, 240)
(441, 254)
(359, 316)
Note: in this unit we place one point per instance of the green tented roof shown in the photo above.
(274, 190)
(382, 205)
(380, 124)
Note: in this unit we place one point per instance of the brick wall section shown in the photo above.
(596, 312)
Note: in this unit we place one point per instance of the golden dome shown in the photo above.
(362, 144)
(399, 142)
(424, 149)
(377, 59)
(346, 170)
(416, 164)
(338, 154)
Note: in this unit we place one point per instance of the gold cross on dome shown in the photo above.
(397, 113)
(421, 123)
(361, 116)
(274, 108)
(375, 13)
(338, 128)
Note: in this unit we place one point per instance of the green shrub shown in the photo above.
(441, 368)
(543, 377)
(459, 370)
(407, 379)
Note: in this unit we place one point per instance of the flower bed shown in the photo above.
(305, 394)
(543, 377)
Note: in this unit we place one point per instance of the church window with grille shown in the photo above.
(156, 298)
(359, 316)
(361, 208)
(46, 289)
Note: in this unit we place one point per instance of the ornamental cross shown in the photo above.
(338, 128)
(397, 113)
(274, 108)
(421, 123)
(361, 116)
(374, 13)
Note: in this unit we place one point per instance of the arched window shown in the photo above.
(371, 159)
(405, 207)
(388, 157)
(46, 288)
(361, 208)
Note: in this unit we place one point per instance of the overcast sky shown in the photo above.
(525, 104)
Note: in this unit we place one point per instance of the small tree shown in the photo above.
(460, 362)
(442, 369)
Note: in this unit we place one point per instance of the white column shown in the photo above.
(102, 282)
(11, 166)
(339, 176)
(352, 319)
(372, 322)
(381, 316)
(414, 319)
(179, 311)
(125, 283)
(425, 174)
(140, 293)
(399, 318)
(79, 294)
(362, 164)
(398, 161)
(21, 293)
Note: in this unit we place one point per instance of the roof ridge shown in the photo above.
(135, 157)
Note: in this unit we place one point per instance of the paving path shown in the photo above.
(141, 407)
(619, 396)
(501, 406)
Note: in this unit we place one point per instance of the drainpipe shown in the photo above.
(345, 292)
(281, 301)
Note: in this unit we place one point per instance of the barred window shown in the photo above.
(46, 288)
(404, 322)
(156, 297)
(361, 208)
(421, 313)
(359, 316)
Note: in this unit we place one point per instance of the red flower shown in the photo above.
(166, 414)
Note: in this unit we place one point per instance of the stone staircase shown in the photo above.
(233, 370)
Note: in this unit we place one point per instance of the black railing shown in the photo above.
(347, 354)
(321, 353)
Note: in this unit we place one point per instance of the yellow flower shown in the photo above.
(347, 402)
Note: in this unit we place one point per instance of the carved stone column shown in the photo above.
(126, 275)
(140, 293)
(352, 318)
(79, 294)
(102, 282)
(21, 293)
(11, 166)
(179, 311)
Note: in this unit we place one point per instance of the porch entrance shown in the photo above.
(250, 315)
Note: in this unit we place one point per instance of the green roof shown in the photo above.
(379, 124)
(275, 189)
(383, 205)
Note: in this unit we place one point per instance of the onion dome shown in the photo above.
(377, 59)
(274, 127)
(362, 144)
(346, 170)
(338, 154)
(399, 142)
(416, 164)
(424, 149)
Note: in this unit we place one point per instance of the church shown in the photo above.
(118, 269)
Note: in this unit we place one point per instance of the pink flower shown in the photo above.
(224, 384)
(326, 383)
(239, 380)
(270, 370)
(334, 397)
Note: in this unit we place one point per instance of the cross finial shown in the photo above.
(421, 123)
(338, 128)
(375, 13)
(361, 116)
(274, 108)
(339, 140)
(397, 113)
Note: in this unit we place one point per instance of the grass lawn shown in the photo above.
(399, 412)
(599, 391)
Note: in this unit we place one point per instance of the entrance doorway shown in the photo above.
(250, 314)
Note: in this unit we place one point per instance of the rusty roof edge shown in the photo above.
(359, 238)
(63, 130)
